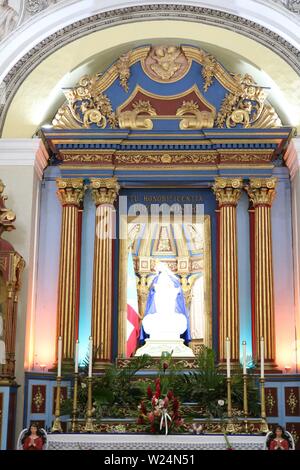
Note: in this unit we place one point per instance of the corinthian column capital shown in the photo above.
(70, 191)
(262, 191)
(104, 190)
(228, 190)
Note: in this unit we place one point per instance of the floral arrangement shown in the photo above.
(160, 413)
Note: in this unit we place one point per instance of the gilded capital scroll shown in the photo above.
(228, 190)
(70, 191)
(262, 191)
(104, 190)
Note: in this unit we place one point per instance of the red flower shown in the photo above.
(165, 365)
(175, 404)
(170, 395)
(143, 408)
(140, 420)
(179, 421)
(166, 402)
(157, 388)
(151, 417)
(149, 391)
(152, 429)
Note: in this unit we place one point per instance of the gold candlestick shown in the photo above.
(57, 424)
(264, 428)
(75, 411)
(245, 401)
(89, 427)
(230, 426)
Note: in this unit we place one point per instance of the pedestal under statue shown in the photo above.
(165, 326)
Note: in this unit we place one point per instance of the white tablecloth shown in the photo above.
(151, 442)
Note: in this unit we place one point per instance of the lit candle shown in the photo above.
(244, 358)
(228, 357)
(90, 356)
(59, 354)
(76, 356)
(262, 358)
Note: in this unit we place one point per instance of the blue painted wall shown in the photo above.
(244, 273)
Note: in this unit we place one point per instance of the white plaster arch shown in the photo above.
(35, 33)
(47, 22)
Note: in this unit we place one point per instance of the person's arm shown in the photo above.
(39, 443)
(27, 443)
(272, 445)
(285, 444)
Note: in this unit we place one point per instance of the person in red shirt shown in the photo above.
(33, 439)
(279, 441)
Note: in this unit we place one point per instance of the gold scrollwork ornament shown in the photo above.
(193, 118)
(138, 117)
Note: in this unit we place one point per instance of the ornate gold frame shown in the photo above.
(122, 288)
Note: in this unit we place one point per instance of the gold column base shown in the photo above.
(89, 427)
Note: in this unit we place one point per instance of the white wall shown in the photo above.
(21, 175)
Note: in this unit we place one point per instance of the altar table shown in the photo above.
(152, 442)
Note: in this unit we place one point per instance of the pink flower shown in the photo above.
(154, 400)
(166, 402)
(151, 417)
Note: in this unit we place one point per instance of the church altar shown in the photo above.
(156, 442)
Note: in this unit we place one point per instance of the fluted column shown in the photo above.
(227, 193)
(70, 193)
(261, 192)
(104, 192)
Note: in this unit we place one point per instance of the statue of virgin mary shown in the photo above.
(166, 318)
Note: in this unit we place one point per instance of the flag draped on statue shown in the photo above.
(133, 320)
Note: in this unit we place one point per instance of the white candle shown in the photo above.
(59, 354)
(76, 356)
(262, 358)
(244, 358)
(90, 356)
(228, 357)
